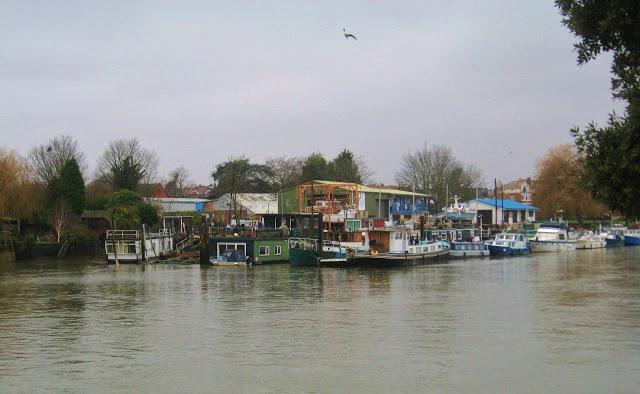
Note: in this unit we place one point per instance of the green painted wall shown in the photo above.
(284, 256)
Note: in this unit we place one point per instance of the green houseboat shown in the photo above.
(260, 251)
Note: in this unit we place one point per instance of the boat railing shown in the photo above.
(123, 234)
(248, 232)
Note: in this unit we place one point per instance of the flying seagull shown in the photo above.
(349, 35)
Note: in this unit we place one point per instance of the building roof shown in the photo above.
(507, 204)
(179, 199)
(254, 203)
(368, 189)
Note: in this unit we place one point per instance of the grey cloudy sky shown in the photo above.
(199, 82)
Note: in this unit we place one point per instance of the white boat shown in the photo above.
(553, 237)
(469, 249)
(129, 245)
(591, 241)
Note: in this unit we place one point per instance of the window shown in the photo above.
(277, 250)
(109, 248)
(263, 251)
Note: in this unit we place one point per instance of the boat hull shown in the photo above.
(632, 240)
(498, 250)
(397, 259)
(591, 244)
(552, 246)
(302, 257)
(618, 241)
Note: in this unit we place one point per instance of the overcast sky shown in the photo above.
(199, 82)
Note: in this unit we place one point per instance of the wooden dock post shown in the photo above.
(204, 242)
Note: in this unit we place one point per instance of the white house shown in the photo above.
(508, 211)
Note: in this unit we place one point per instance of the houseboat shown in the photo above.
(133, 246)
(260, 247)
(399, 246)
(553, 237)
(508, 244)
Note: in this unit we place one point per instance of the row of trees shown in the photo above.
(47, 188)
(239, 175)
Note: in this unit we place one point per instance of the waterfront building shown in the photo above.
(502, 211)
(347, 208)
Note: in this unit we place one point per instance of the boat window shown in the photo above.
(263, 251)
(561, 236)
(501, 236)
(277, 250)
(132, 248)
(109, 248)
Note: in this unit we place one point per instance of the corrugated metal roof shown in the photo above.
(508, 204)
(255, 203)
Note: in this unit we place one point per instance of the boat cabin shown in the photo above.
(554, 231)
(135, 246)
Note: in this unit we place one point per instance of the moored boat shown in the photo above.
(614, 235)
(133, 246)
(632, 237)
(398, 247)
(304, 252)
(231, 257)
(591, 241)
(469, 249)
(508, 244)
(553, 237)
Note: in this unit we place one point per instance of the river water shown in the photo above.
(540, 323)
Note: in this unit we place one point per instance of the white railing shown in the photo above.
(123, 234)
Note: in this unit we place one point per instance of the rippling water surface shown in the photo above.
(541, 323)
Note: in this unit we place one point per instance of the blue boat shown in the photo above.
(614, 235)
(508, 244)
(632, 237)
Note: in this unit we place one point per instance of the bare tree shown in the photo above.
(366, 173)
(435, 171)
(124, 164)
(285, 171)
(60, 218)
(47, 160)
(178, 182)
